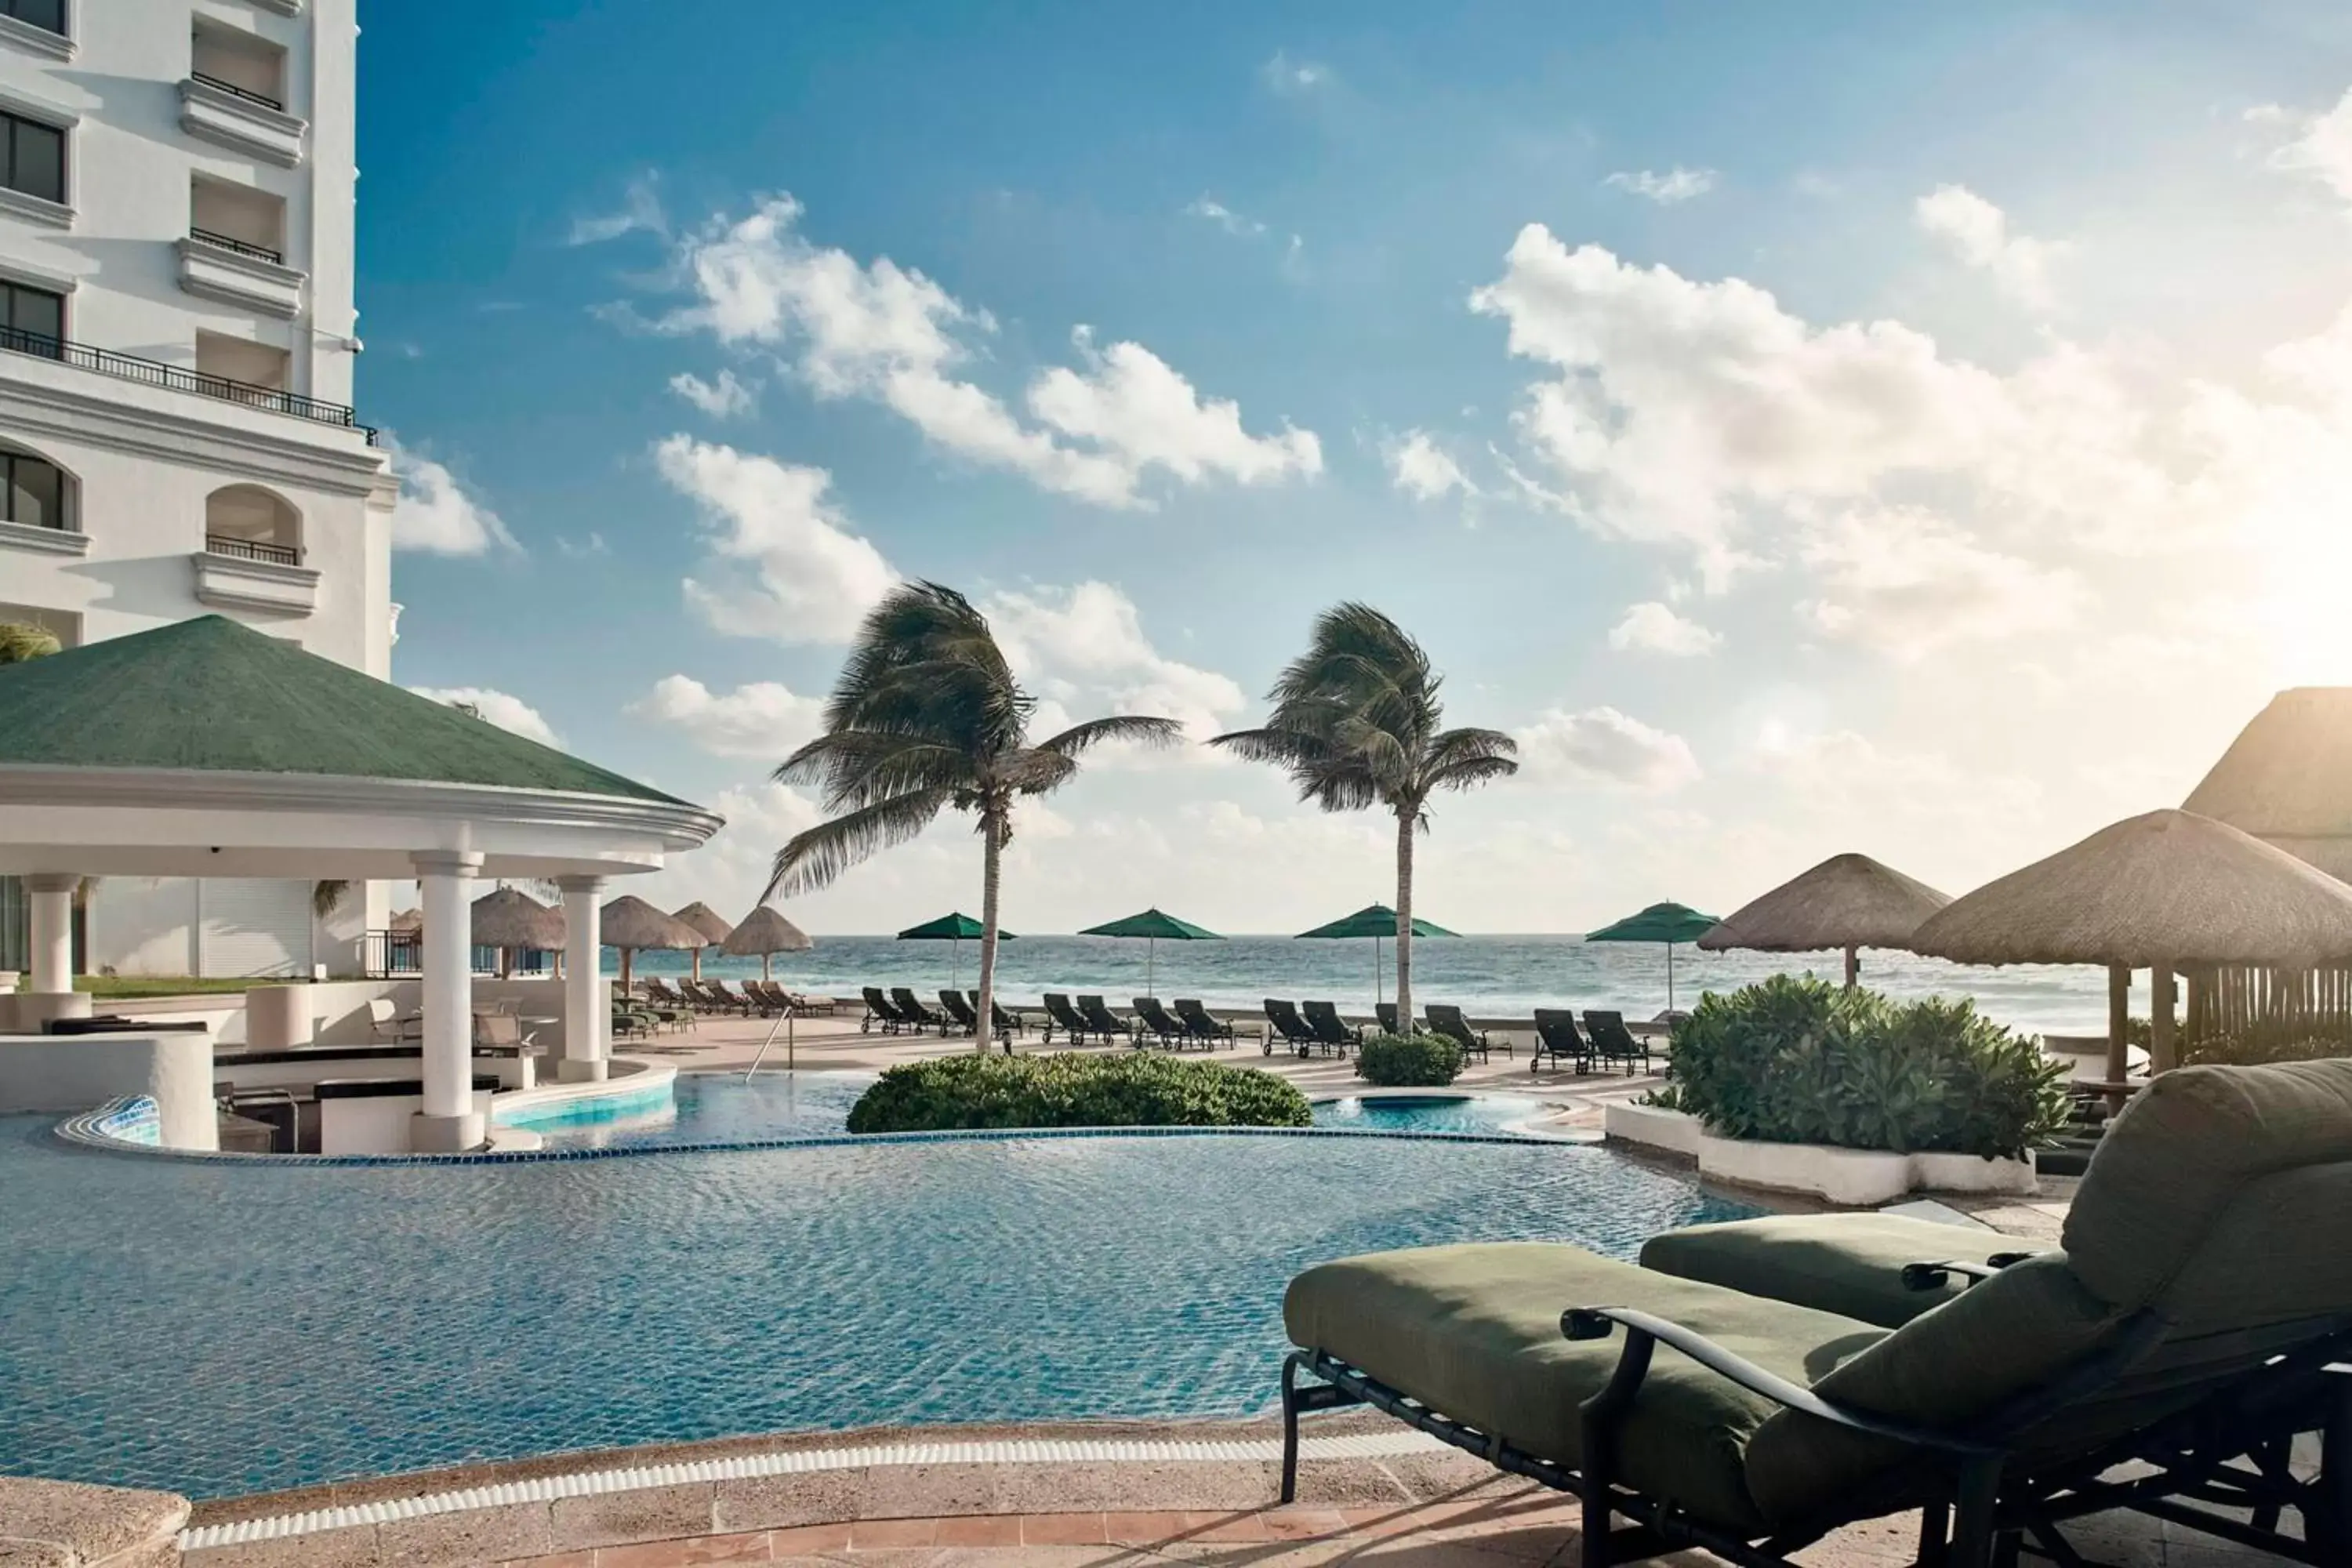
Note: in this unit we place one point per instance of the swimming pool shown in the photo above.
(223, 1327)
(1487, 1113)
(716, 1108)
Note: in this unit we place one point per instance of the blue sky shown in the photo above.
(1810, 429)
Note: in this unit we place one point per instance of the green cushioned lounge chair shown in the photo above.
(2202, 1291)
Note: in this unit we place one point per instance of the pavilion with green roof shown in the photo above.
(208, 749)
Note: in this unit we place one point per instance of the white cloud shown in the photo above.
(1604, 745)
(1653, 627)
(640, 210)
(1906, 582)
(810, 579)
(437, 515)
(1978, 232)
(2322, 147)
(1213, 211)
(760, 718)
(1675, 186)
(1082, 649)
(1424, 470)
(890, 334)
(1703, 417)
(721, 399)
(1291, 78)
(497, 708)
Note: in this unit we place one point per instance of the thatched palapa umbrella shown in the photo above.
(407, 923)
(633, 925)
(509, 920)
(2150, 892)
(764, 934)
(2287, 778)
(705, 919)
(1847, 902)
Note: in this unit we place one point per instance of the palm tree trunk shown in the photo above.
(1405, 820)
(991, 836)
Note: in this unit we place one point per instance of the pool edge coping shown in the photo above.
(81, 1131)
(591, 1480)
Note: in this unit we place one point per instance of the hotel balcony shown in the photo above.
(180, 378)
(235, 94)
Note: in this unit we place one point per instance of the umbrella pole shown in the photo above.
(1670, 977)
(1378, 996)
(1150, 955)
(766, 959)
(2118, 1027)
(1853, 967)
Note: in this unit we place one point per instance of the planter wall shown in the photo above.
(1854, 1177)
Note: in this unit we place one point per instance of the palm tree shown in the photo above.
(1355, 722)
(927, 715)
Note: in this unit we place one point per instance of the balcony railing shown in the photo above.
(397, 954)
(237, 247)
(231, 88)
(252, 550)
(179, 378)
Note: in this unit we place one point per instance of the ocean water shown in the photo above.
(1492, 976)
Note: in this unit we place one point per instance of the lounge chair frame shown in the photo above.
(1213, 1033)
(1977, 1507)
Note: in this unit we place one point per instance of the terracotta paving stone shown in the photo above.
(1304, 1523)
(1142, 1529)
(879, 1534)
(979, 1529)
(585, 1558)
(749, 1546)
(1062, 1530)
(1225, 1527)
(808, 1539)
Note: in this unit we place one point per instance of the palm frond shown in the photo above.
(815, 857)
(1142, 730)
(1035, 771)
(856, 768)
(1457, 745)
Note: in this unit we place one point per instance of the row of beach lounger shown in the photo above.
(658, 1003)
(1306, 1028)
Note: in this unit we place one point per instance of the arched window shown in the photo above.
(34, 491)
(252, 524)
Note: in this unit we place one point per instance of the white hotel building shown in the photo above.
(177, 332)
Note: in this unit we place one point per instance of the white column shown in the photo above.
(587, 1016)
(50, 895)
(448, 1122)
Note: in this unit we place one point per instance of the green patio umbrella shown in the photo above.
(1374, 921)
(1668, 923)
(957, 927)
(1154, 926)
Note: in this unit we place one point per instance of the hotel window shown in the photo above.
(32, 492)
(49, 16)
(33, 159)
(32, 321)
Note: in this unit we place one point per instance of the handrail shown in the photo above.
(237, 246)
(231, 88)
(179, 378)
(252, 550)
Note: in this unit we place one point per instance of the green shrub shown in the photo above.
(2259, 1046)
(1801, 1061)
(1409, 1061)
(972, 1091)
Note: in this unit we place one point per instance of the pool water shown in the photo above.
(716, 1108)
(224, 1327)
(1486, 1113)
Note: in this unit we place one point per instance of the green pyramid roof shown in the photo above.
(211, 694)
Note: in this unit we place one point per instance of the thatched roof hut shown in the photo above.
(2167, 888)
(705, 919)
(510, 918)
(2287, 778)
(407, 923)
(763, 934)
(1847, 902)
(2152, 892)
(633, 925)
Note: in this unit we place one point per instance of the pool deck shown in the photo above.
(1429, 1509)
